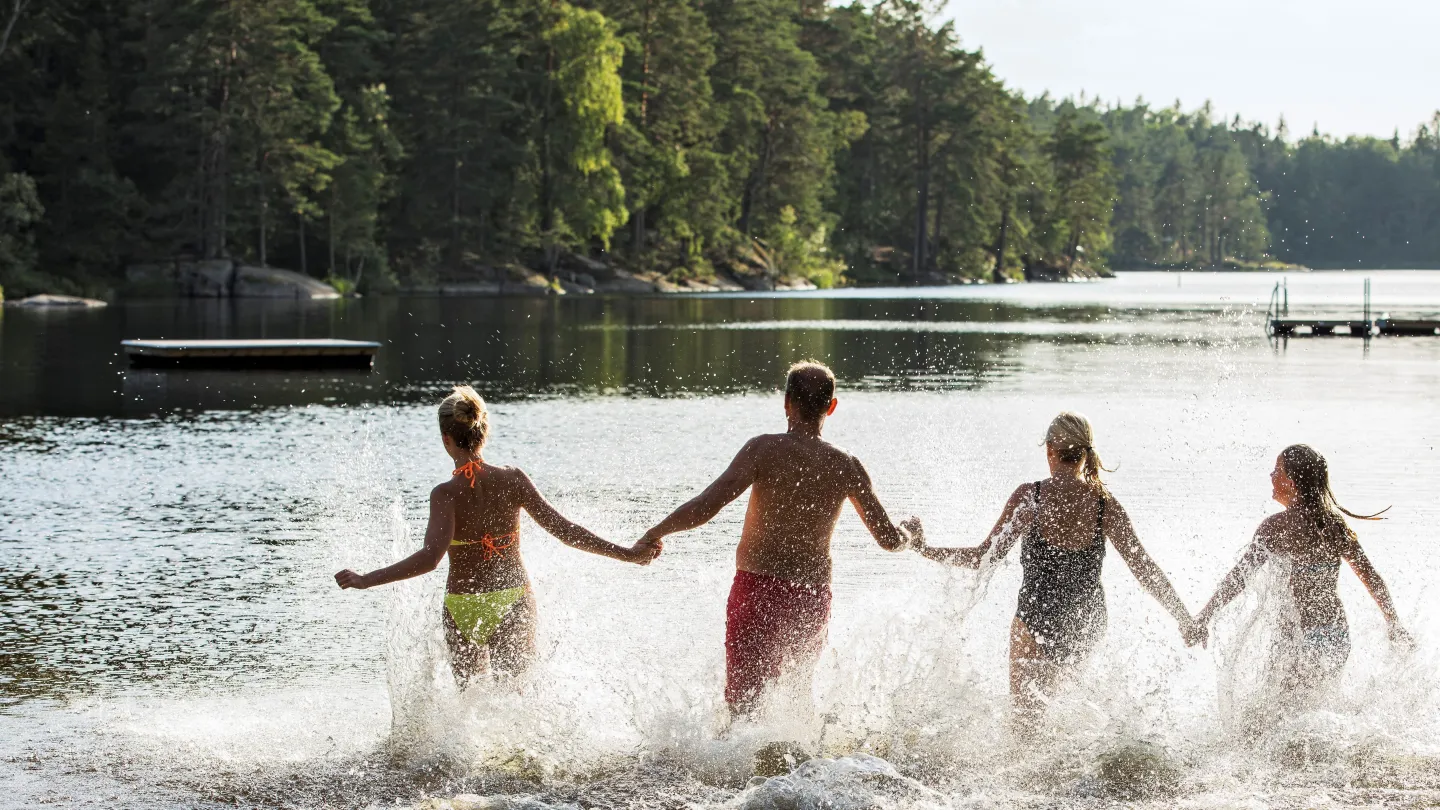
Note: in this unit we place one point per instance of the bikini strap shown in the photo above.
(1035, 511)
(490, 544)
(1100, 521)
(471, 470)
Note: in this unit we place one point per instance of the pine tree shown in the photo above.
(674, 179)
(580, 196)
(83, 191)
(1083, 188)
(779, 135)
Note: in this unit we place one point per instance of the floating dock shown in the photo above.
(1279, 323)
(1289, 327)
(257, 354)
(1397, 326)
(1320, 327)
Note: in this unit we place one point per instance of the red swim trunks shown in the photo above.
(770, 622)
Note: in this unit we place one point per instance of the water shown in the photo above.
(170, 635)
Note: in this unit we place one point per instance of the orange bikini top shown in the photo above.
(492, 544)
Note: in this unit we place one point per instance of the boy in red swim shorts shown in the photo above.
(779, 605)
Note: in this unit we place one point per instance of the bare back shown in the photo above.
(485, 548)
(1067, 513)
(797, 482)
(1314, 558)
(798, 487)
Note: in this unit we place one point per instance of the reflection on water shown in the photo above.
(68, 363)
(168, 539)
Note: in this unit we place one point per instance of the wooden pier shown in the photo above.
(1397, 326)
(1279, 323)
(254, 354)
(1320, 327)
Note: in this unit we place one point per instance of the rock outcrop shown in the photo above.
(56, 302)
(223, 278)
(1042, 270)
(581, 275)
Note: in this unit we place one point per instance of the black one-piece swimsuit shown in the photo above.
(1061, 600)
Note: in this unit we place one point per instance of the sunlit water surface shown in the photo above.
(170, 635)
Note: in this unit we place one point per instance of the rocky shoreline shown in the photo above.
(577, 275)
(221, 278)
(571, 275)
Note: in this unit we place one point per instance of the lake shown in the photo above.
(171, 636)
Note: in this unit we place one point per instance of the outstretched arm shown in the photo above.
(1234, 582)
(873, 514)
(573, 534)
(700, 509)
(1121, 533)
(438, 534)
(1002, 533)
(1360, 564)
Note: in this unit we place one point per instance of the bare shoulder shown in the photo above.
(765, 441)
(762, 446)
(1022, 496)
(445, 491)
(844, 460)
(1276, 524)
(513, 477)
(1277, 531)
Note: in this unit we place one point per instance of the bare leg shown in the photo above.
(1033, 679)
(512, 647)
(468, 660)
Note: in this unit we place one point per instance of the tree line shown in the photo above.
(385, 142)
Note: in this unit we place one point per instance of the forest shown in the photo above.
(384, 145)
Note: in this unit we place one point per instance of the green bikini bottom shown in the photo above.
(478, 615)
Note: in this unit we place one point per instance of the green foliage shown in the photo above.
(20, 211)
(1353, 202)
(1186, 193)
(379, 142)
(344, 286)
(796, 254)
(582, 196)
(1084, 194)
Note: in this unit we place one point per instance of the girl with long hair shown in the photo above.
(1309, 540)
(1062, 524)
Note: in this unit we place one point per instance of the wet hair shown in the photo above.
(1073, 440)
(1310, 474)
(810, 387)
(464, 419)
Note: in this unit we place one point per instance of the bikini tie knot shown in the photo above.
(492, 547)
(471, 470)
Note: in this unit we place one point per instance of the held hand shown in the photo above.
(915, 531)
(646, 549)
(1195, 633)
(1400, 638)
(350, 579)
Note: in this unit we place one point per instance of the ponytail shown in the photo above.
(1073, 440)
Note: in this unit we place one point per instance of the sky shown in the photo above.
(1350, 67)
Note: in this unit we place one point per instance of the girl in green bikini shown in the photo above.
(475, 516)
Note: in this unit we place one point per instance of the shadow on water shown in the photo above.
(69, 363)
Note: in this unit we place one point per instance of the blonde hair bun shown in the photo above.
(464, 418)
(1073, 440)
(467, 405)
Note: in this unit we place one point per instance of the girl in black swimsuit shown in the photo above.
(1064, 521)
